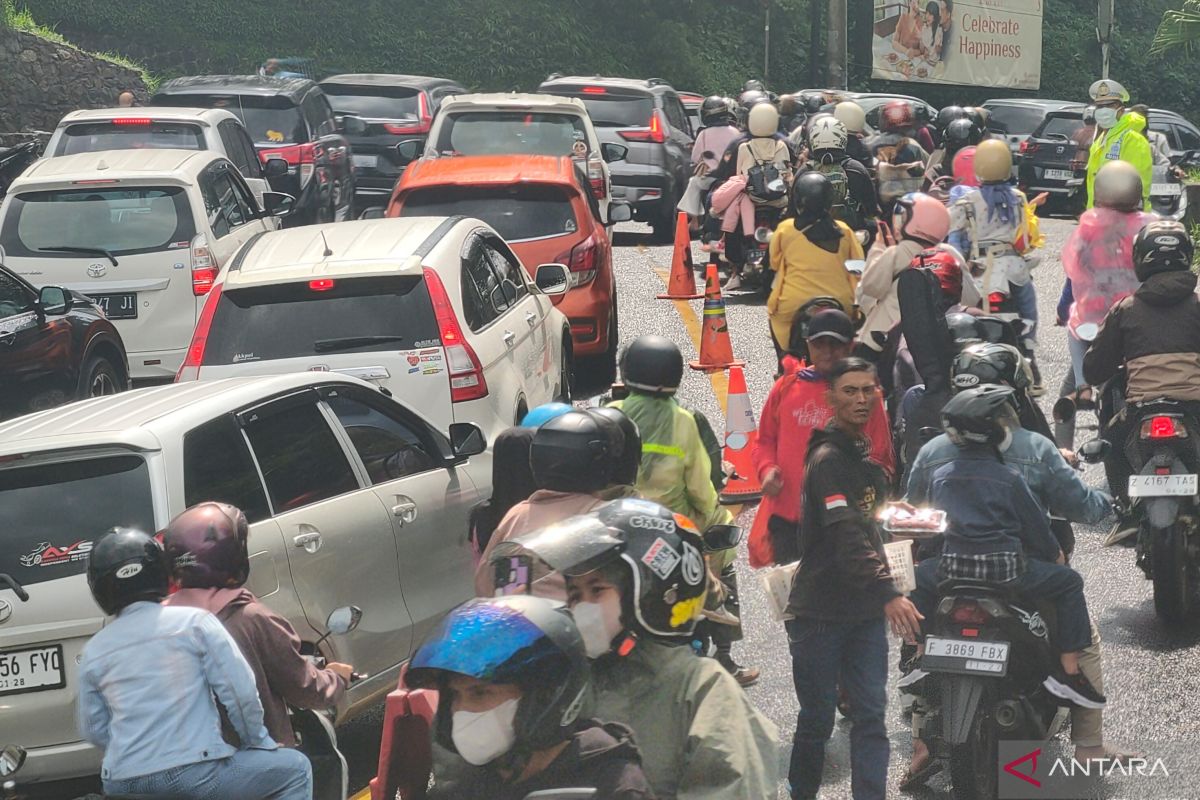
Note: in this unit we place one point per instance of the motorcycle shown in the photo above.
(1168, 198)
(758, 260)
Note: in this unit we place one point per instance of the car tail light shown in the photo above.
(581, 260)
(301, 159)
(595, 90)
(466, 373)
(1163, 427)
(995, 300)
(321, 284)
(190, 371)
(969, 614)
(422, 124)
(655, 132)
(132, 121)
(204, 266)
(595, 168)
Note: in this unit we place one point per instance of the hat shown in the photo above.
(1106, 91)
(832, 323)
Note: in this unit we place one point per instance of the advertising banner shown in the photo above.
(974, 42)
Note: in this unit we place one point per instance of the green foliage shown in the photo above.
(1178, 29)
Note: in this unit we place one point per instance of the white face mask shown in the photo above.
(598, 623)
(482, 737)
(1106, 117)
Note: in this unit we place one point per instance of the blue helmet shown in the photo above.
(543, 414)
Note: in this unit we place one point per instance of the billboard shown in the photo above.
(972, 42)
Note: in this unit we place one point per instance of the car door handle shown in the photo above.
(310, 540)
(405, 510)
(531, 318)
(509, 337)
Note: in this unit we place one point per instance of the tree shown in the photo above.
(1178, 29)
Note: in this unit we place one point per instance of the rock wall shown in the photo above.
(40, 81)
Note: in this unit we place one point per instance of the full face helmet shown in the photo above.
(1162, 246)
(990, 363)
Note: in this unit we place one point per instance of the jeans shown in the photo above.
(1026, 299)
(1041, 581)
(854, 653)
(282, 774)
(1077, 347)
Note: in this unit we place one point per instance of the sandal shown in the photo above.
(915, 780)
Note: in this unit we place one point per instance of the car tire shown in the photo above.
(663, 224)
(606, 370)
(98, 378)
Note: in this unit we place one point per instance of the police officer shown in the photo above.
(1118, 137)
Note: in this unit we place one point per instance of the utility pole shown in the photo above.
(816, 53)
(837, 49)
(1104, 28)
(767, 43)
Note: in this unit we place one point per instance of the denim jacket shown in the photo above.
(146, 686)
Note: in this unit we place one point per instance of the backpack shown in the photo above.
(844, 209)
(759, 180)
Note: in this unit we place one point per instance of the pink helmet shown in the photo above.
(207, 547)
(964, 167)
(921, 218)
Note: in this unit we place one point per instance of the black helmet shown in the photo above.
(652, 365)
(963, 330)
(630, 458)
(976, 115)
(984, 415)
(126, 565)
(575, 452)
(812, 192)
(921, 112)
(1162, 246)
(948, 115)
(962, 133)
(991, 363)
(528, 641)
(754, 85)
(813, 102)
(752, 97)
(715, 111)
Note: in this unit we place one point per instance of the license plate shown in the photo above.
(117, 306)
(365, 161)
(965, 656)
(1160, 189)
(1162, 485)
(34, 670)
(1059, 174)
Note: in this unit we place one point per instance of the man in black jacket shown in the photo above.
(842, 593)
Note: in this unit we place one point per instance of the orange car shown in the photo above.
(544, 209)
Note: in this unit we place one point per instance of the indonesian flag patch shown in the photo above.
(835, 501)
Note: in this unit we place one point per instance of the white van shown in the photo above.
(142, 232)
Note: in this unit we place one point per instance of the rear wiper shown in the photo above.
(11, 582)
(95, 251)
(347, 342)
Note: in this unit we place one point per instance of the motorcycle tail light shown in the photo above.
(1163, 427)
(969, 614)
(995, 300)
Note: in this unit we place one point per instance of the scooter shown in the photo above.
(758, 261)
(1168, 198)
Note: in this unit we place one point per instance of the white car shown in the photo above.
(142, 232)
(162, 128)
(352, 499)
(437, 310)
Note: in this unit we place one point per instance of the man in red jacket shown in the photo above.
(796, 406)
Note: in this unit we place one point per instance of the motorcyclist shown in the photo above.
(851, 115)
(924, 131)
(210, 562)
(947, 115)
(980, 116)
(900, 159)
(636, 586)
(958, 134)
(149, 682)
(1118, 137)
(854, 200)
(718, 130)
(542, 414)
(791, 113)
(516, 706)
(512, 482)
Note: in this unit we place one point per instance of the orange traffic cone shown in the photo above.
(682, 285)
(716, 352)
(741, 433)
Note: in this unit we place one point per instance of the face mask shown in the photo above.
(482, 737)
(1106, 117)
(599, 624)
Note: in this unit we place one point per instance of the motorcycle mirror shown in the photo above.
(1095, 451)
(11, 759)
(1064, 410)
(1087, 331)
(722, 537)
(343, 620)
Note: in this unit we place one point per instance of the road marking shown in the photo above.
(691, 323)
(365, 794)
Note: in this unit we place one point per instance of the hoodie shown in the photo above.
(271, 646)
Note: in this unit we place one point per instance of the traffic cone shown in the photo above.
(682, 285)
(716, 352)
(741, 434)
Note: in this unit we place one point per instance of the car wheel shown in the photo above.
(663, 224)
(607, 367)
(100, 379)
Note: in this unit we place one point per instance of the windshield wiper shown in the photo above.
(95, 251)
(348, 342)
(11, 582)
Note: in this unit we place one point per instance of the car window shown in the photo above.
(233, 147)
(1064, 128)
(472, 133)
(299, 456)
(510, 274)
(132, 134)
(250, 154)
(318, 114)
(268, 120)
(1015, 120)
(390, 447)
(226, 203)
(613, 110)
(1189, 139)
(14, 297)
(675, 113)
(328, 123)
(518, 212)
(53, 510)
(217, 467)
(480, 288)
(374, 102)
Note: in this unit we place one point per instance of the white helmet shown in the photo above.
(763, 120)
(827, 133)
(850, 114)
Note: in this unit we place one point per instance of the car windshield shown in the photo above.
(53, 511)
(129, 220)
(140, 134)
(372, 102)
(1061, 128)
(617, 111)
(518, 213)
(293, 320)
(269, 120)
(501, 132)
(1015, 120)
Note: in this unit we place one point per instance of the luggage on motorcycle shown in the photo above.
(924, 327)
(844, 209)
(764, 181)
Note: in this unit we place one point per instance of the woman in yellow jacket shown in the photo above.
(809, 252)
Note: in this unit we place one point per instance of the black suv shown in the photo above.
(55, 346)
(394, 108)
(288, 118)
(647, 117)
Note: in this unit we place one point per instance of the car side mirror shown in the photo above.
(611, 152)
(343, 620)
(553, 279)
(275, 167)
(54, 301)
(374, 212)
(352, 125)
(1095, 451)
(619, 212)
(1190, 159)
(278, 204)
(466, 440)
(11, 759)
(409, 150)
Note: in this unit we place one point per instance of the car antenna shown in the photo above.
(327, 252)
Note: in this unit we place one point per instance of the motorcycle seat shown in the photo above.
(968, 585)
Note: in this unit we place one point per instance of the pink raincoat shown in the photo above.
(1098, 258)
(734, 205)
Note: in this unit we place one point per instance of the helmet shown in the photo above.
(528, 641)
(788, 105)
(630, 459)
(814, 102)
(961, 133)
(988, 363)
(1118, 185)
(826, 133)
(977, 115)
(964, 167)
(993, 161)
(921, 113)
(897, 116)
(981, 415)
(754, 85)
(652, 365)
(948, 115)
(921, 218)
(715, 111)
(1162, 246)
(206, 546)
(126, 565)
(812, 192)
(543, 414)
(963, 330)
(660, 553)
(763, 120)
(851, 115)
(947, 266)
(575, 452)
(750, 97)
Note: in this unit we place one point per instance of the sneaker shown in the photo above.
(910, 683)
(734, 282)
(1075, 689)
(745, 676)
